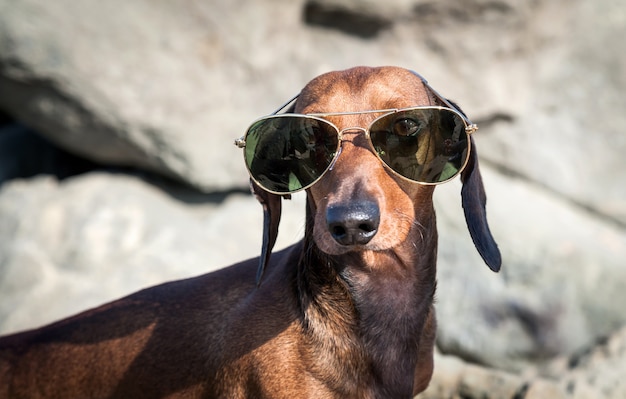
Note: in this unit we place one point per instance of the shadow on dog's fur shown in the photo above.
(330, 319)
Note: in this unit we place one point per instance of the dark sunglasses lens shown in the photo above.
(424, 145)
(285, 154)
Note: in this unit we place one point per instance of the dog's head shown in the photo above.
(360, 204)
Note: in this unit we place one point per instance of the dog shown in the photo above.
(347, 312)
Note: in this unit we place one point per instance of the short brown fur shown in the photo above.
(328, 320)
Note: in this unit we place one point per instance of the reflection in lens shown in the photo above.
(433, 153)
(288, 153)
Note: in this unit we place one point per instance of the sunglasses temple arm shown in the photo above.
(241, 141)
(285, 104)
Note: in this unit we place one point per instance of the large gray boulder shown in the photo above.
(560, 288)
(167, 86)
(71, 245)
(597, 373)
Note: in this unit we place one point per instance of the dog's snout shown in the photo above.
(354, 224)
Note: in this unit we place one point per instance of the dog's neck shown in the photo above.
(370, 307)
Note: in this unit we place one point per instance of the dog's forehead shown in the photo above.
(362, 89)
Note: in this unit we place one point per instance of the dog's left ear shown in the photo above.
(474, 200)
(272, 209)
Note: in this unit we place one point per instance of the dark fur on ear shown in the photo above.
(272, 209)
(474, 200)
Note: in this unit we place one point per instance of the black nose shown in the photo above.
(353, 224)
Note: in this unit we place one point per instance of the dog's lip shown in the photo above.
(330, 247)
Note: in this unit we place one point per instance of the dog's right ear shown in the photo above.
(272, 209)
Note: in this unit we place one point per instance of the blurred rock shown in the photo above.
(65, 247)
(594, 374)
(599, 372)
(455, 379)
(564, 135)
(142, 83)
(560, 288)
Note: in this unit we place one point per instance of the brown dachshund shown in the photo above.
(345, 313)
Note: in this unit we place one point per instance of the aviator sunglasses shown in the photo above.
(288, 152)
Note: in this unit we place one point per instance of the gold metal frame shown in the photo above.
(469, 129)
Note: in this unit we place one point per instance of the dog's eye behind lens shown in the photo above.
(407, 127)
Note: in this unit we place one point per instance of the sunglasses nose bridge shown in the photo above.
(363, 130)
(340, 133)
(351, 128)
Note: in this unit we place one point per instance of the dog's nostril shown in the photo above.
(367, 227)
(354, 224)
(338, 231)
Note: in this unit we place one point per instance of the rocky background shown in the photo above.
(117, 168)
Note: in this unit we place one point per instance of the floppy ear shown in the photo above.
(474, 200)
(272, 208)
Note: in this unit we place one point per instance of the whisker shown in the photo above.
(411, 222)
